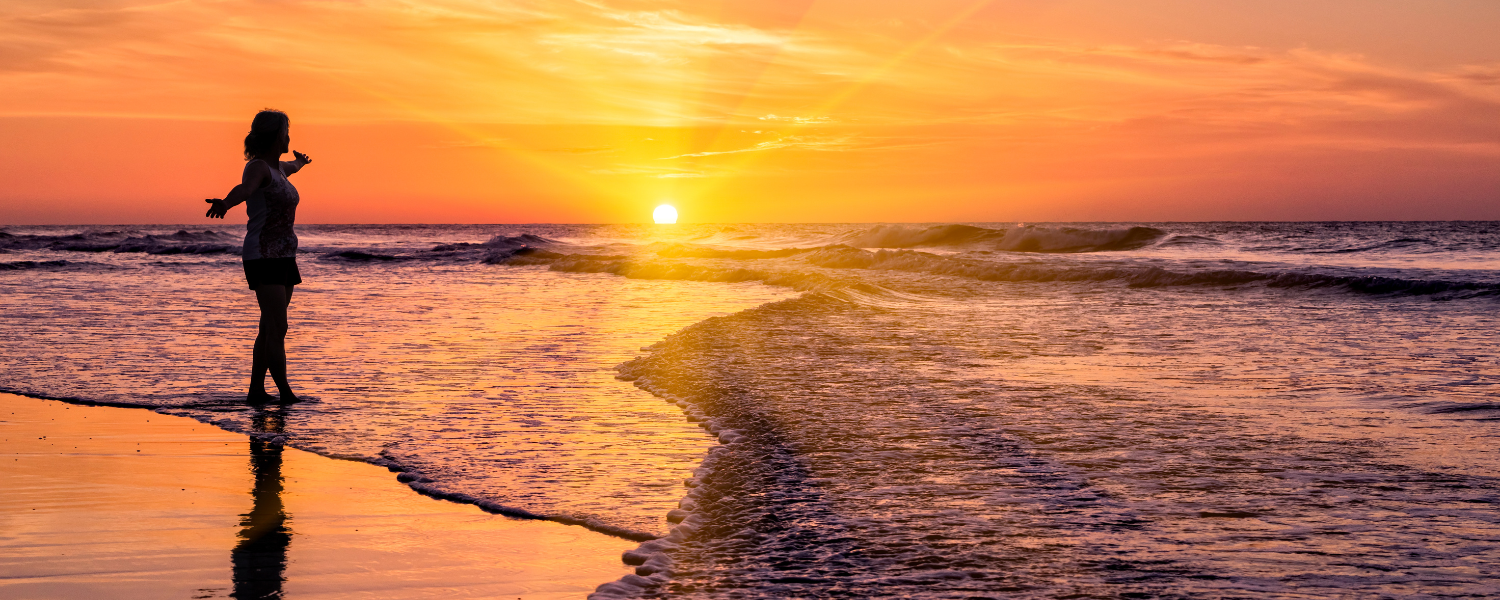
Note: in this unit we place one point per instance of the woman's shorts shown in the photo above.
(272, 271)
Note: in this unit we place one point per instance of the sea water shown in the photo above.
(848, 410)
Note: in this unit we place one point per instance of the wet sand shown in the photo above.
(127, 503)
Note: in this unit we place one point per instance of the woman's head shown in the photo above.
(268, 134)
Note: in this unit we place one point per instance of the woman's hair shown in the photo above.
(265, 133)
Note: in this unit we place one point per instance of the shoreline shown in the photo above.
(417, 484)
(102, 497)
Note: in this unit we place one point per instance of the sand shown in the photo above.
(127, 503)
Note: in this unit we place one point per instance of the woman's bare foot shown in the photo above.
(259, 397)
(287, 397)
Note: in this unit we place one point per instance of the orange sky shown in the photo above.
(132, 111)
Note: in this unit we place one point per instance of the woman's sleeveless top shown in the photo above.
(272, 209)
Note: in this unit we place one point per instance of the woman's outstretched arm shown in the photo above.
(255, 175)
(292, 166)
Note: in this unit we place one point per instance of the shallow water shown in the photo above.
(499, 378)
(1093, 472)
(1164, 410)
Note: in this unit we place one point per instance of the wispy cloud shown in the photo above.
(818, 120)
(649, 171)
(788, 142)
(593, 62)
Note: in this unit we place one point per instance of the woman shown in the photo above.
(270, 252)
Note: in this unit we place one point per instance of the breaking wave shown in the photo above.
(519, 241)
(522, 256)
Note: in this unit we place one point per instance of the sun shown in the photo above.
(665, 215)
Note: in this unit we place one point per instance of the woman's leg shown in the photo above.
(258, 359)
(270, 343)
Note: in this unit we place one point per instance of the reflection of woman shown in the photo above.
(270, 244)
(259, 559)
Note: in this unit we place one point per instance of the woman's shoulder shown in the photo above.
(256, 169)
(256, 165)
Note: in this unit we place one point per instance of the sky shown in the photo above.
(596, 111)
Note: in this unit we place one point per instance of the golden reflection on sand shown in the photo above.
(125, 503)
(259, 559)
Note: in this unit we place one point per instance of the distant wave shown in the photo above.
(791, 273)
(1134, 276)
(150, 245)
(1344, 244)
(56, 265)
(518, 241)
(1018, 239)
(1396, 244)
(182, 242)
(27, 265)
(357, 256)
(458, 247)
(511, 250)
(1450, 408)
(525, 255)
(1189, 240)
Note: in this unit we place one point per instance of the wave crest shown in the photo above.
(519, 241)
(523, 256)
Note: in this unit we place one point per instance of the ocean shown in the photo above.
(980, 410)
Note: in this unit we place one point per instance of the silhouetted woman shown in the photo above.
(270, 244)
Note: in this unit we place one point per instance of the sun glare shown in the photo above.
(665, 215)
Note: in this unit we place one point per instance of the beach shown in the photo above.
(105, 502)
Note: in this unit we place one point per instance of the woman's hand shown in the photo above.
(301, 158)
(217, 210)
